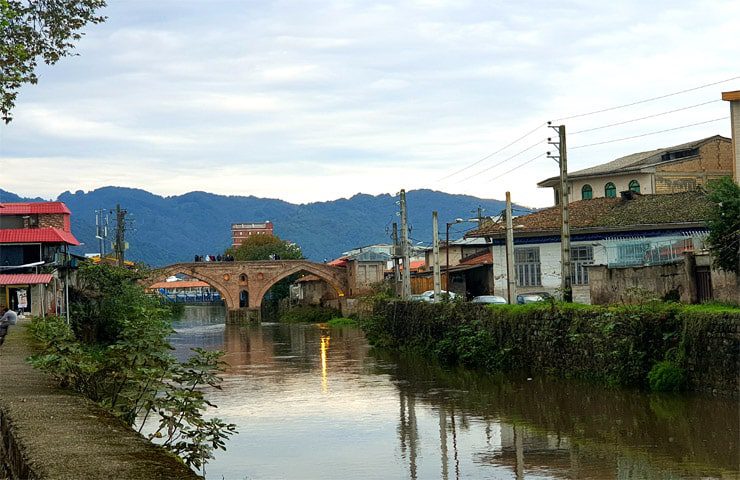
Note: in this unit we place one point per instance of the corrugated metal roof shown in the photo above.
(37, 235)
(33, 208)
(179, 284)
(25, 278)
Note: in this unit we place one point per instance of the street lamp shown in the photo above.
(447, 251)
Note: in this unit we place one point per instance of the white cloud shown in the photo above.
(318, 100)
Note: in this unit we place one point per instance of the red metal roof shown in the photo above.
(33, 208)
(37, 235)
(25, 278)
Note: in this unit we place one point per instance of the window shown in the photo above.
(579, 258)
(610, 191)
(527, 266)
(635, 186)
(587, 192)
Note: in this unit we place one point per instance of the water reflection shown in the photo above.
(314, 402)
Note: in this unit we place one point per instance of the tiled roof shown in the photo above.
(634, 161)
(611, 213)
(478, 258)
(37, 235)
(25, 278)
(33, 208)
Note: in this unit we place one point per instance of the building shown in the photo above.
(631, 231)
(734, 99)
(240, 231)
(674, 169)
(34, 244)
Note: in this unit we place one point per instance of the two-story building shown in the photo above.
(34, 241)
(674, 169)
(630, 231)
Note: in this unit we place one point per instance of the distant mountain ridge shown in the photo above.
(174, 229)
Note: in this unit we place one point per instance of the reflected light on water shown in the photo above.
(324, 349)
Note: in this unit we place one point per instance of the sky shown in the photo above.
(318, 100)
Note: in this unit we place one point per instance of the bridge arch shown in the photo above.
(159, 275)
(256, 301)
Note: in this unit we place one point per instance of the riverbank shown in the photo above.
(610, 345)
(48, 432)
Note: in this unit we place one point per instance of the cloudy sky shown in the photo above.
(309, 101)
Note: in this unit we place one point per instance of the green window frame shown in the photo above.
(610, 190)
(587, 193)
(635, 186)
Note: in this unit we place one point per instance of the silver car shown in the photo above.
(490, 299)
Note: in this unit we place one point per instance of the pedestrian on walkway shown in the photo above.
(9, 318)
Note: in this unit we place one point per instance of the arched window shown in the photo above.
(243, 299)
(635, 186)
(243, 277)
(587, 192)
(610, 191)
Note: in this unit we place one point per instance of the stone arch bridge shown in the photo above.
(255, 278)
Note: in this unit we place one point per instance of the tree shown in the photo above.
(265, 247)
(724, 224)
(37, 29)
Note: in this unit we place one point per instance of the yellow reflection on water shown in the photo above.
(324, 350)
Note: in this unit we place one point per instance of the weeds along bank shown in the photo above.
(661, 346)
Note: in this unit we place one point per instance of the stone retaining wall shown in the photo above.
(49, 433)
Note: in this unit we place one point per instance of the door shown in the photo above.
(703, 284)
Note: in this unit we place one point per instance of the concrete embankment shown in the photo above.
(49, 433)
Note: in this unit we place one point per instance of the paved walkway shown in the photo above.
(49, 433)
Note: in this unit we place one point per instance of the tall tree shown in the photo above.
(37, 29)
(266, 247)
(724, 224)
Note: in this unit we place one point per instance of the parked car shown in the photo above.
(428, 296)
(489, 299)
(532, 297)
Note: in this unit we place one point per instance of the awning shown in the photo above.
(25, 278)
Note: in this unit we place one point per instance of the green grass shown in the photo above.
(342, 322)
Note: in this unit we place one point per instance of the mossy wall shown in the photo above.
(611, 345)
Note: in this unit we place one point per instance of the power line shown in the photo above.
(494, 153)
(649, 133)
(502, 161)
(539, 155)
(652, 99)
(644, 118)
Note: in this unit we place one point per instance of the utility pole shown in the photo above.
(406, 277)
(101, 229)
(435, 257)
(120, 247)
(396, 256)
(562, 159)
(510, 279)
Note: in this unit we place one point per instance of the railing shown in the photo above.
(187, 297)
(645, 252)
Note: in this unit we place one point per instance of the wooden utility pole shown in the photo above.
(120, 234)
(510, 278)
(406, 276)
(562, 159)
(396, 256)
(435, 257)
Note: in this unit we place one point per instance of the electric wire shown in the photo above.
(494, 153)
(648, 134)
(646, 100)
(644, 118)
(517, 167)
(539, 142)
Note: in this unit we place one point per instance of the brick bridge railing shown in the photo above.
(255, 278)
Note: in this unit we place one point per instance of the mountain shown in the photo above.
(165, 230)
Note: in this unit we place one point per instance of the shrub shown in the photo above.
(666, 376)
(309, 314)
(342, 322)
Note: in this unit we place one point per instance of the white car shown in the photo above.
(490, 299)
(428, 296)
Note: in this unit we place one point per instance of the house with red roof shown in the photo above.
(34, 241)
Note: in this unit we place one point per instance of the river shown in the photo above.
(313, 402)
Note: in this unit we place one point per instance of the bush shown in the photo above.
(342, 322)
(666, 376)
